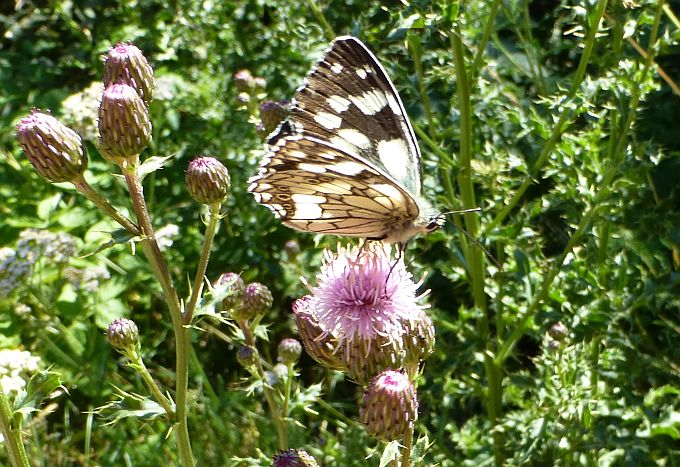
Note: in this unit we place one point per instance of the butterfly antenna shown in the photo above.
(480, 246)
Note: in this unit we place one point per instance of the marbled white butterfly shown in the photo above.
(347, 161)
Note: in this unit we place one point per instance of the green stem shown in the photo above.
(415, 48)
(98, 200)
(327, 28)
(182, 344)
(474, 255)
(268, 393)
(210, 231)
(137, 363)
(561, 125)
(408, 446)
(10, 424)
(603, 192)
(481, 46)
(289, 385)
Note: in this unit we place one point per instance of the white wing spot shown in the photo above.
(390, 191)
(314, 168)
(338, 103)
(308, 199)
(394, 105)
(328, 120)
(307, 211)
(370, 102)
(395, 156)
(362, 73)
(336, 68)
(347, 168)
(342, 144)
(355, 137)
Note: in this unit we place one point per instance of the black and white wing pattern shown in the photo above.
(347, 161)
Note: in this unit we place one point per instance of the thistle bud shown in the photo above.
(558, 331)
(234, 293)
(418, 340)
(318, 345)
(244, 81)
(124, 125)
(294, 458)
(123, 335)
(257, 299)
(54, 150)
(366, 358)
(289, 351)
(292, 249)
(272, 114)
(260, 82)
(246, 356)
(125, 64)
(390, 406)
(207, 180)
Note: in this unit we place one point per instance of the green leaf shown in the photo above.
(39, 388)
(390, 454)
(152, 164)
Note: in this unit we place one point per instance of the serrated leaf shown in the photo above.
(118, 237)
(38, 388)
(390, 454)
(152, 164)
(130, 405)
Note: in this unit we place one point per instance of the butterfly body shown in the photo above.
(347, 161)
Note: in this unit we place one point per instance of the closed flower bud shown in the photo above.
(257, 299)
(123, 335)
(234, 293)
(207, 180)
(125, 64)
(246, 356)
(260, 82)
(390, 406)
(419, 339)
(292, 248)
(294, 458)
(272, 114)
(244, 81)
(54, 150)
(366, 358)
(558, 331)
(318, 345)
(289, 351)
(124, 125)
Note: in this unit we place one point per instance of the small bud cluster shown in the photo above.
(87, 279)
(243, 302)
(207, 180)
(557, 336)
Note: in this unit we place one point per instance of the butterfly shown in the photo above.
(346, 162)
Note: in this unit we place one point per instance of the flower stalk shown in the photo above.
(10, 424)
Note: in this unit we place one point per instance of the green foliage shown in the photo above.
(574, 164)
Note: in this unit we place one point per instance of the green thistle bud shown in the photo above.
(558, 331)
(123, 335)
(289, 351)
(244, 81)
(124, 125)
(125, 64)
(294, 458)
(246, 356)
(54, 150)
(390, 406)
(418, 340)
(292, 249)
(207, 180)
(318, 345)
(257, 299)
(272, 114)
(366, 358)
(235, 287)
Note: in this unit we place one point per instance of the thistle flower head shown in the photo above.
(289, 351)
(126, 64)
(54, 150)
(294, 458)
(207, 180)
(390, 406)
(363, 293)
(124, 125)
(123, 335)
(319, 345)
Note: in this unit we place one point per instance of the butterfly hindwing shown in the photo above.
(313, 186)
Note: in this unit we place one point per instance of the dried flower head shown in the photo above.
(390, 406)
(55, 151)
(207, 180)
(124, 125)
(126, 64)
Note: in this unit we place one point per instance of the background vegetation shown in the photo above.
(575, 166)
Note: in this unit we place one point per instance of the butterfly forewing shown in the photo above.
(349, 101)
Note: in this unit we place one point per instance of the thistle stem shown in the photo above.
(210, 231)
(160, 269)
(137, 363)
(98, 200)
(408, 446)
(10, 424)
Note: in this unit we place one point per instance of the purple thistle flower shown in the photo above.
(362, 293)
